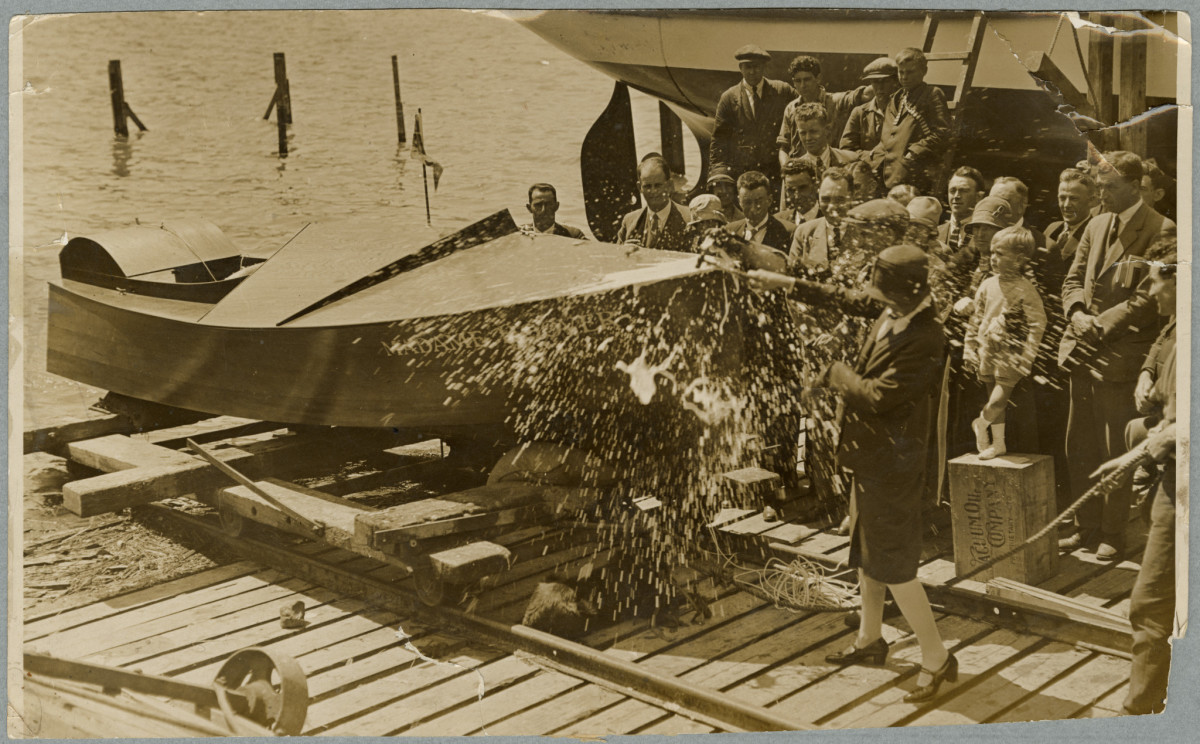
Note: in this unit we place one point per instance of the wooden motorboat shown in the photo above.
(362, 326)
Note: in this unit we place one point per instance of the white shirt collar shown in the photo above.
(1127, 215)
(825, 157)
(757, 89)
(761, 224)
(547, 231)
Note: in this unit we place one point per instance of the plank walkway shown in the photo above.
(370, 672)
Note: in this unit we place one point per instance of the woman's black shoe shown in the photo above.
(948, 672)
(874, 653)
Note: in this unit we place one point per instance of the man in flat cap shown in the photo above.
(748, 119)
(862, 129)
(724, 187)
(916, 128)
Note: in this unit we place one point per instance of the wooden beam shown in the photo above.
(1132, 81)
(117, 490)
(1100, 78)
(470, 562)
(162, 476)
(54, 439)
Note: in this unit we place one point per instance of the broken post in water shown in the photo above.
(121, 109)
(281, 102)
(399, 103)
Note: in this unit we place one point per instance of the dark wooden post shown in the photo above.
(281, 83)
(281, 102)
(117, 89)
(1100, 74)
(1132, 81)
(399, 105)
(671, 132)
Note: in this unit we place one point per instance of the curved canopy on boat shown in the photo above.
(146, 249)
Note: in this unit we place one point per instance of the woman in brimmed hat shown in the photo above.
(884, 447)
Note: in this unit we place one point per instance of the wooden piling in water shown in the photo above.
(399, 104)
(281, 102)
(117, 90)
(121, 109)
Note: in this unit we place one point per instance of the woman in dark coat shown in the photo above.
(889, 396)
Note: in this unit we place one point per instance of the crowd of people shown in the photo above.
(936, 331)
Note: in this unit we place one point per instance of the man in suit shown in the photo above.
(543, 205)
(661, 224)
(1076, 198)
(1112, 324)
(806, 79)
(799, 192)
(759, 225)
(817, 242)
(805, 135)
(861, 133)
(748, 118)
(965, 189)
(916, 128)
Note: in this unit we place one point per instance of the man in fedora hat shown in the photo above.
(861, 133)
(748, 118)
(885, 427)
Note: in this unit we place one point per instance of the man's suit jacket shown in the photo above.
(672, 236)
(808, 251)
(836, 157)
(744, 138)
(1103, 282)
(778, 235)
(916, 127)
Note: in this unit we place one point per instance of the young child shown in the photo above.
(1004, 332)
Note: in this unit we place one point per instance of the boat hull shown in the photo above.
(435, 373)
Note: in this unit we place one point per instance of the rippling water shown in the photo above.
(502, 109)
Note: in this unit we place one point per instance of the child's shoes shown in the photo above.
(997, 447)
(980, 427)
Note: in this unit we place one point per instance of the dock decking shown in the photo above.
(365, 680)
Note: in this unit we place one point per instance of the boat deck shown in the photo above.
(365, 679)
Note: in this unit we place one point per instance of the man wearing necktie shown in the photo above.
(1076, 197)
(1111, 326)
(661, 224)
(748, 118)
(963, 192)
(759, 225)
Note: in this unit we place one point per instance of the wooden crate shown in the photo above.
(996, 504)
